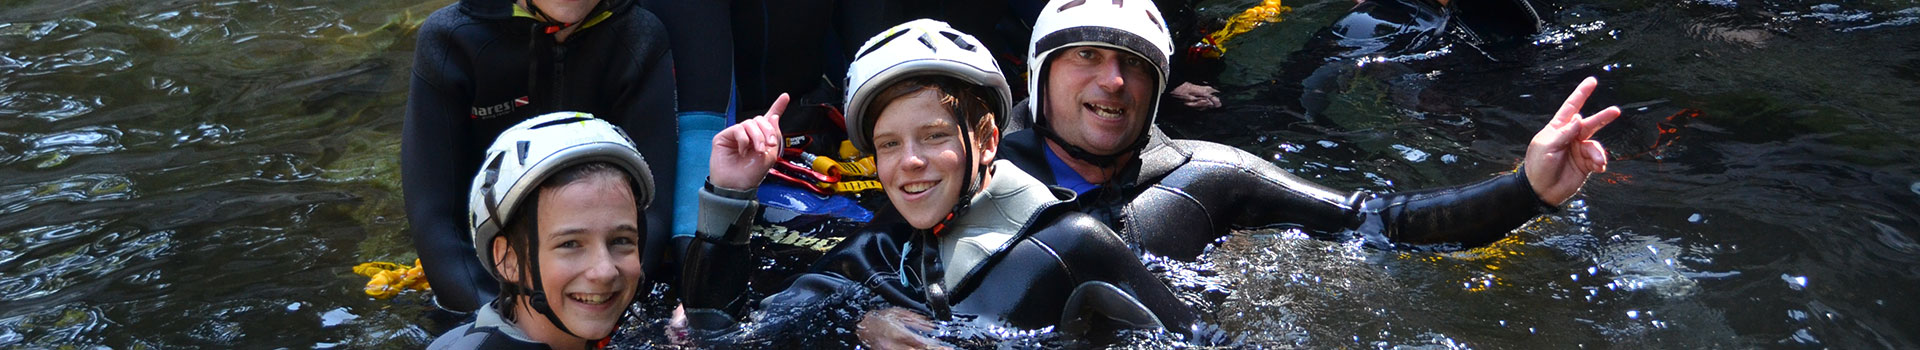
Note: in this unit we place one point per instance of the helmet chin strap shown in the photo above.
(537, 294)
(971, 187)
(544, 26)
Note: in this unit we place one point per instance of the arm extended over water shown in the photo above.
(1559, 159)
(1251, 192)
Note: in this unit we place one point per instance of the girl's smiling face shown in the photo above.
(589, 254)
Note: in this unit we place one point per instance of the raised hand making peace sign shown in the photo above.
(1561, 155)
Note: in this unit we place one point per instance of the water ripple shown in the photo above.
(79, 188)
(75, 61)
(63, 326)
(206, 134)
(25, 241)
(81, 141)
(46, 106)
(54, 30)
(97, 271)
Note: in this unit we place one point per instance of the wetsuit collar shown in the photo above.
(489, 316)
(1064, 176)
(1005, 207)
(1008, 208)
(1157, 158)
(596, 18)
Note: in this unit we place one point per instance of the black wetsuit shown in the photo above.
(1056, 254)
(478, 69)
(1183, 195)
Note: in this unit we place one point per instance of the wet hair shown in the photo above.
(962, 99)
(523, 226)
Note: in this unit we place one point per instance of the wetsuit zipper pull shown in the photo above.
(937, 301)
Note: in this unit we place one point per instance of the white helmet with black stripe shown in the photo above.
(527, 153)
(920, 47)
(1131, 26)
(523, 157)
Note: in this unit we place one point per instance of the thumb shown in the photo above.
(1595, 154)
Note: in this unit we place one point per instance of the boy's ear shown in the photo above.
(988, 140)
(504, 260)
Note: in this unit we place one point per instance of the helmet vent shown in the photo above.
(1070, 4)
(924, 40)
(492, 179)
(558, 122)
(955, 38)
(522, 153)
(881, 43)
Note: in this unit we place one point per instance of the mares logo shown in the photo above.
(785, 236)
(498, 109)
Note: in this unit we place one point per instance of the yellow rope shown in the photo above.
(1268, 11)
(388, 279)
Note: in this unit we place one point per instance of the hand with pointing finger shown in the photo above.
(1561, 155)
(743, 152)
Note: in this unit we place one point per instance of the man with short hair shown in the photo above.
(1096, 67)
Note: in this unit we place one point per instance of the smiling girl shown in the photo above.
(556, 217)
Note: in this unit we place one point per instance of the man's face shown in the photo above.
(1099, 99)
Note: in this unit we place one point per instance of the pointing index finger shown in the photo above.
(779, 105)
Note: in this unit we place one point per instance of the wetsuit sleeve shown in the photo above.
(718, 260)
(1473, 214)
(434, 157)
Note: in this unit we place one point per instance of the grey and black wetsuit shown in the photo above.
(1018, 257)
(489, 331)
(478, 69)
(1183, 195)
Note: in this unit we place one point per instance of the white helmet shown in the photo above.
(921, 47)
(1132, 26)
(526, 154)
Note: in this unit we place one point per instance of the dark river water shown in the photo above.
(204, 174)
